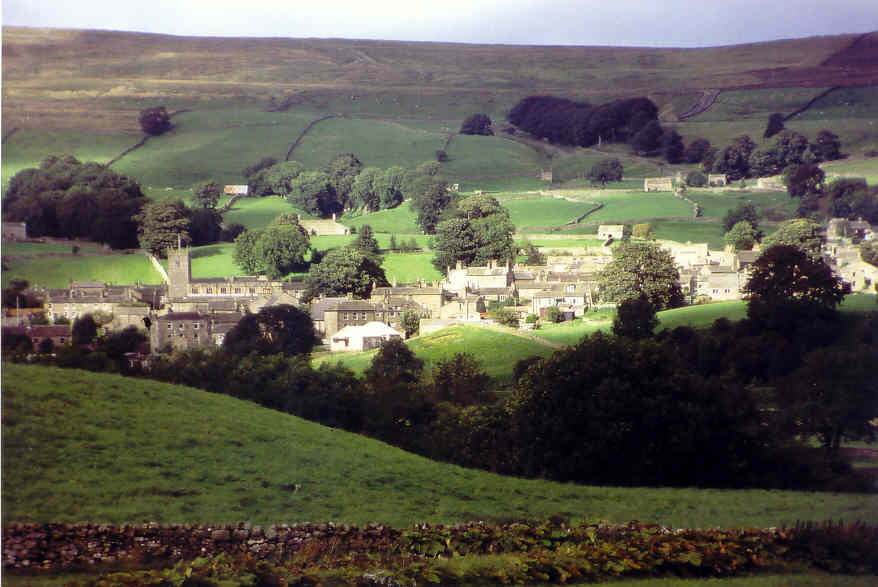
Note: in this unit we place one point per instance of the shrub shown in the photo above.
(696, 179)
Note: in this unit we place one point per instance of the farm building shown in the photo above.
(235, 190)
(717, 179)
(611, 231)
(362, 338)
(658, 184)
(14, 231)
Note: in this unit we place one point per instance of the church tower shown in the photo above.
(179, 272)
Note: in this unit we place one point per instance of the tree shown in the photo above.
(366, 242)
(742, 236)
(392, 384)
(803, 180)
(343, 171)
(641, 268)
(784, 272)
(281, 249)
(388, 187)
(869, 252)
(694, 153)
(70, 199)
(16, 296)
(734, 159)
(460, 380)
(827, 147)
(411, 322)
(476, 124)
(801, 233)
(745, 211)
(774, 126)
(430, 198)
(534, 256)
(162, 225)
(365, 190)
(672, 146)
(85, 329)
(833, 395)
(392, 246)
(155, 121)
(480, 232)
(343, 271)
(207, 194)
(263, 163)
(245, 251)
(205, 226)
(313, 191)
(643, 231)
(505, 318)
(606, 170)
(635, 318)
(276, 179)
(648, 139)
(281, 329)
(127, 340)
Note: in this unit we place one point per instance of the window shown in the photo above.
(222, 290)
(170, 325)
(194, 290)
(195, 326)
(209, 290)
(237, 290)
(345, 316)
(253, 291)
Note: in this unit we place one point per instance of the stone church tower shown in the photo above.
(179, 272)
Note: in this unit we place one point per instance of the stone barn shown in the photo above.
(658, 184)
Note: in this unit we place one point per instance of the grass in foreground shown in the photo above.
(88, 446)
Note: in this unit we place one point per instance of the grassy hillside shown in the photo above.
(85, 446)
(497, 351)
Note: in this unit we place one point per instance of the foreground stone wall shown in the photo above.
(83, 546)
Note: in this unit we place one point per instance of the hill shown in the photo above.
(87, 446)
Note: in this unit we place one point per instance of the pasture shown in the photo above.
(620, 207)
(540, 214)
(715, 203)
(257, 213)
(410, 267)
(401, 219)
(498, 351)
(56, 271)
(212, 458)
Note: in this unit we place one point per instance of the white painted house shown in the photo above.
(362, 338)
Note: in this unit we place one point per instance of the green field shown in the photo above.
(631, 206)
(376, 143)
(865, 168)
(773, 205)
(473, 160)
(539, 214)
(498, 351)
(694, 232)
(257, 213)
(55, 272)
(88, 446)
(48, 248)
(396, 220)
(212, 145)
(410, 267)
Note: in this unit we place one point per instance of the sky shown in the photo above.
(654, 23)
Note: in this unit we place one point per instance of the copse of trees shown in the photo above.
(476, 124)
(566, 122)
(275, 251)
(342, 271)
(606, 170)
(155, 121)
(479, 232)
(69, 199)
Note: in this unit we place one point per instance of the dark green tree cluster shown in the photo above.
(69, 199)
(852, 198)
(476, 124)
(345, 270)
(155, 121)
(641, 269)
(276, 251)
(479, 233)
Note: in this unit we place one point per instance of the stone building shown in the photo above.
(717, 179)
(14, 231)
(658, 184)
(323, 226)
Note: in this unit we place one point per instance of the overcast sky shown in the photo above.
(657, 23)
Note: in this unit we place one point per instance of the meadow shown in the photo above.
(498, 351)
(88, 446)
(57, 271)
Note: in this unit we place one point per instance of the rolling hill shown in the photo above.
(88, 446)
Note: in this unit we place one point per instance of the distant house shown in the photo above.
(235, 190)
(363, 338)
(14, 231)
(658, 184)
(59, 335)
(611, 231)
(717, 179)
(180, 331)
